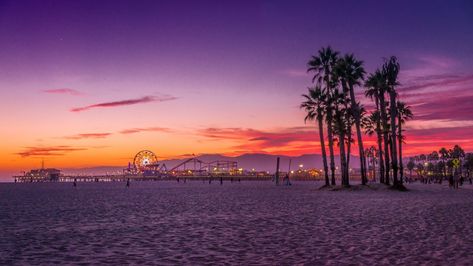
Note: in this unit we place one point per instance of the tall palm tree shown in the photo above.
(349, 140)
(376, 88)
(444, 156)
(404, 113)
(391, 70)
(340, 128)
(351, 73)
(314, 106)
(323, 67)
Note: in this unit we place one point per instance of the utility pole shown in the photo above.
(277, 172)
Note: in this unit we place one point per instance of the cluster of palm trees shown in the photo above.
(440, 165)
(332, 103)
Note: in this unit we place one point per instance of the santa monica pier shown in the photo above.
(145, 167)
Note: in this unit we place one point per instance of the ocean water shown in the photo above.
(250, 223)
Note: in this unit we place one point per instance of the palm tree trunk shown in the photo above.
(343, 162)
(392, 95)
(385, 137)
(401, 165)
(330, 144)
(356, 112)
(374, 167)
(348, 152)
(380, 139)
(324, 153)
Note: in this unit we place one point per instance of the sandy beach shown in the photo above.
(246, 223)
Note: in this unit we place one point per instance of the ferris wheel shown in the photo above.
(145, 159)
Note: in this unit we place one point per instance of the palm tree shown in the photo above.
(410, 167)
(349, 140)
(371, 162)
(340, 128)
(351, 72)
(314, 106)
(370, 127)
(444, 156)
(404, 113)
(375, 89)
(433, 158)
(323, 67)
(391, 71)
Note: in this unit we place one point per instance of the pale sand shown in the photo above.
(247, 223)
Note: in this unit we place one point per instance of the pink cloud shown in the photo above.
(89, 136)
(429, 66)
(146, 99)
(438, 61)
(48, 151)
(63, 91)
(148, 129)
(430, 139)
(429, 82)
(284, 141)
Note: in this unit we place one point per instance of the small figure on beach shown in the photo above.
(221, 180)
(128, 182)
(178, 180)
(286, 180)
(75, 182)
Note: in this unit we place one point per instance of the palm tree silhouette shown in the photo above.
(314, 106)
(323, 67)
(375, 89)
(340, 126)
(351, 73)
(391, 70)
(404, 113)
(444, 156)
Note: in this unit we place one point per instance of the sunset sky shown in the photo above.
(87, 83)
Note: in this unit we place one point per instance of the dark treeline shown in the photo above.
(331, 103)
(452, 165)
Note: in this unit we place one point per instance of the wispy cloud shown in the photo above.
(295, 73)
(148, 129)
(429, 65)
(48, 151)
(89, 136)
(145, 99)
(442, 81)
(438, 123)
(293, 140)
(63, 91)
